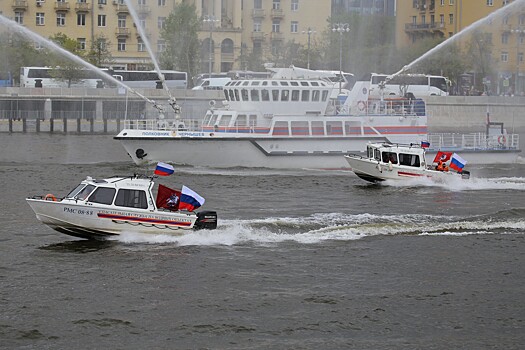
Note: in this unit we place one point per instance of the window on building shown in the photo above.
(505, 38)
(442, 2)
(161, 22)
(294, 26)
(82, 1)
(276, 25)
(101, 44)
(61, 19)
(451, 2)
(257, 26)
(257, 48)
(161, 46)
(19, 17)
(142, 23)
(442, 19)
(257, 4)
(101, 20)
(102, 2)
(81, 43)
(121, 21)
(520, 57)
(81, 19)
(504, 56)
(490, 3)
(40, 19)
(414, 20)
(141, 47)
(161, 2)
(121, 45)
(505, 20)
(423, 19)
(432, 19)
(142, 2)
(295, 5)
(276, 4)
(451, 18)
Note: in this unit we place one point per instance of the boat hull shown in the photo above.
(309, 153)
(88, 221)
(374, 171)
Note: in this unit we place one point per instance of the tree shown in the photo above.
(68, 70)
(479, 55)
(99, 54)
(18, 52)
(181, 39)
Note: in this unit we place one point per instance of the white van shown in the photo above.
(212, 84)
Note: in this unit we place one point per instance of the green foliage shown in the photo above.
(182, 42)
(18, 52)
(70, 71)
(99, 54)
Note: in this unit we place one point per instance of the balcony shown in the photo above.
(122, 32)
(277, 36)
(277, 13)
(144, 10)
(257, 36)
(425, 27)
(19, 5)
(82, 7)
(61, 6)
(121, 8)
(258, 13)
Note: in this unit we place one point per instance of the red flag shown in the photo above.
(442, 156)
(168, 198)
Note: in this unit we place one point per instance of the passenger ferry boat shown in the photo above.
(385, 161)
(97, 209)
(288, 121)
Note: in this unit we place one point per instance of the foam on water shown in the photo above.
(456, 184)
(334, 227)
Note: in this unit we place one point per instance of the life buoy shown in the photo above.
(49, 196)
(502, 140)
(361, 105)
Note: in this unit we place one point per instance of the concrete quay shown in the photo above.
(103, 110)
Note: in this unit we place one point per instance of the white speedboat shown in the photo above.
(385, 161)
(289, 121)
(101, 208)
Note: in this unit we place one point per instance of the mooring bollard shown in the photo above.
(51, 125)
(79, 120)
(37, 124)
(65, 124)
(10, 124)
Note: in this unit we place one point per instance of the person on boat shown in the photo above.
(442, 166)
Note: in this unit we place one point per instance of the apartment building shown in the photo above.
(419, 19)
(228, 26)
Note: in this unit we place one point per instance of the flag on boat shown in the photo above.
(189, 199)
(168, 198)
(442, 156)
(164, 169)
(457, 163)
(425, 144)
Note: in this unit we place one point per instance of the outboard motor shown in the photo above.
(465, 174)
(206, 220)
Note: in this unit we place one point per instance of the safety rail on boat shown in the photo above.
(163, 124)
(475, 141)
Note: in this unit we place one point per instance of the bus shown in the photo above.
(43, 77)
(150, 79)
(419, 85)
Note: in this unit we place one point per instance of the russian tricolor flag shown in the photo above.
(164, 169)
(425, 144)
(189, 199)
(457, 163)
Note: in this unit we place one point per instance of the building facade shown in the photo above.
(229, 27)
(419, 19)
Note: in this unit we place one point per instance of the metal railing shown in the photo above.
(474, 141)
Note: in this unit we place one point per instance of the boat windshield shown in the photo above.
(82, 195)
(75, 191)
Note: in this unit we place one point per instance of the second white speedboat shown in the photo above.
(385, 161)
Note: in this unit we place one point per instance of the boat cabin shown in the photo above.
(408, 155)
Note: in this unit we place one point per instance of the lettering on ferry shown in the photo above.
(155, 133)
(190, 134)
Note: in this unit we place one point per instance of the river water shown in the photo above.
(300, 260)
